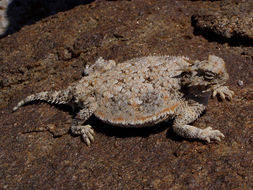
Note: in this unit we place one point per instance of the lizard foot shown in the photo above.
(85, 131)
(224, 93)
(209, 134)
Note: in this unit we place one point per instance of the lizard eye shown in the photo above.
(209, 75)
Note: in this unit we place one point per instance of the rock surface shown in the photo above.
(231, 20)
(37, 152)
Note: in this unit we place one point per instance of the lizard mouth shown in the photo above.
(200, 90)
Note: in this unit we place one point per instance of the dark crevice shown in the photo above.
(46, 129)
(211, 36)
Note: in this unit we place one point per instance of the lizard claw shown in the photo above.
(85, 131)
(224, 93)
(209, 134)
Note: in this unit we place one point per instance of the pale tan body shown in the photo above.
(144, 91)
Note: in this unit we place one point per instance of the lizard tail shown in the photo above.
(55, 97)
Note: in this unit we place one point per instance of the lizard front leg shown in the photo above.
(224, 92)
(187, 114)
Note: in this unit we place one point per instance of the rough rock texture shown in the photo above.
(37, 152)
(227, 19)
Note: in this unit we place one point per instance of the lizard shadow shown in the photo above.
(144, 132)
(119, 131)
(123, 132)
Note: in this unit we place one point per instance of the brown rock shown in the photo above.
(50, 158)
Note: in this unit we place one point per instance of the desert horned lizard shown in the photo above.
(142, 92)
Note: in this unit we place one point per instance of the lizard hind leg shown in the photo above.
(187, 114)
(78, 128)
(85, 131)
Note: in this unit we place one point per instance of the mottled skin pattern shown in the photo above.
(144, 91)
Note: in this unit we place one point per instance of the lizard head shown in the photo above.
(201, 77)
